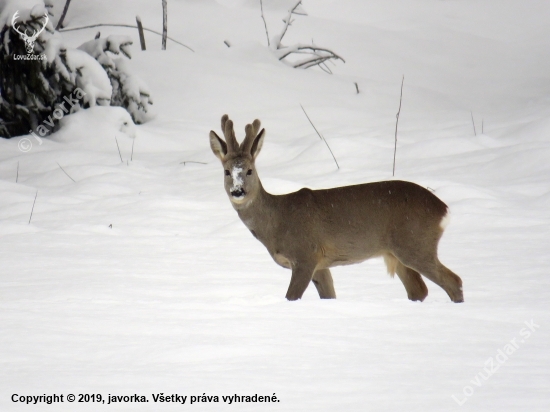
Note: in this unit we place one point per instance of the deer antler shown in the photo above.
(35, 36)
(229, 133)
(251, 131)
(13, 20)
(25, 35)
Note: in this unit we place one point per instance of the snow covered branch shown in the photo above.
(115, 44)
(128, 90)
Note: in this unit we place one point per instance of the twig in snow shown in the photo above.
(65, 172)
(191, 161)
(287, 21)
(33, 203)
(126, 25)
(473, 124)
(318, 55)
(227, 43)
(118, 147)
(265, 24)
(132, 155)
(164, 24)
(321, 137)
(357, 87)
(325, 68)
(396, 123)
(316, 131)
(140, 31)
(63, 14)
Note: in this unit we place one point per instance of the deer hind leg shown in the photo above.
(322, 279)
(452, 283)
(414, 285)
(430, 266)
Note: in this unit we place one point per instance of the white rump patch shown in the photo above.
(445, 221)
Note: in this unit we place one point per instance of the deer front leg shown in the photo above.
(302, 274)
(322, 279)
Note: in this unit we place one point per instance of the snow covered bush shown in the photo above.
(129, 91)
(38, 75)
(30, 84)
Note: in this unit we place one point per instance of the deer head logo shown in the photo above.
(29, 40)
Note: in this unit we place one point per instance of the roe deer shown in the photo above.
(310, 231)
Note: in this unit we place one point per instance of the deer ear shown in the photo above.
(218, 146)
(257, 145)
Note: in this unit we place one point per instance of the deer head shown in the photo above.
(241, 180)
(29, 40)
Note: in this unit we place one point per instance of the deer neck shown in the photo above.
(258, 211)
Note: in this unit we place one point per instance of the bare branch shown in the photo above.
(287, 23)
(164, 24)
(191, 161)
(286, 51)
(396, 122)
(140, 31)
(318, 56)
(65, 172)
(63, 14)
(118, 147)
(323, 66)
(33, 203)
(265, 24)
(314, 61)
(320, 136)
(125, 25)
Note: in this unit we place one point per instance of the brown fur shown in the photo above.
(310, 231)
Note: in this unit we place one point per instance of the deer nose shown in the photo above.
(238, 192)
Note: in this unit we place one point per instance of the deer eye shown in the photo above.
(249, 172)
(227, 172)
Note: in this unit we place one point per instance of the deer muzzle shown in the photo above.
(236, 189)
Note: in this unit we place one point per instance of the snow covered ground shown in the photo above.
(139, 278)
